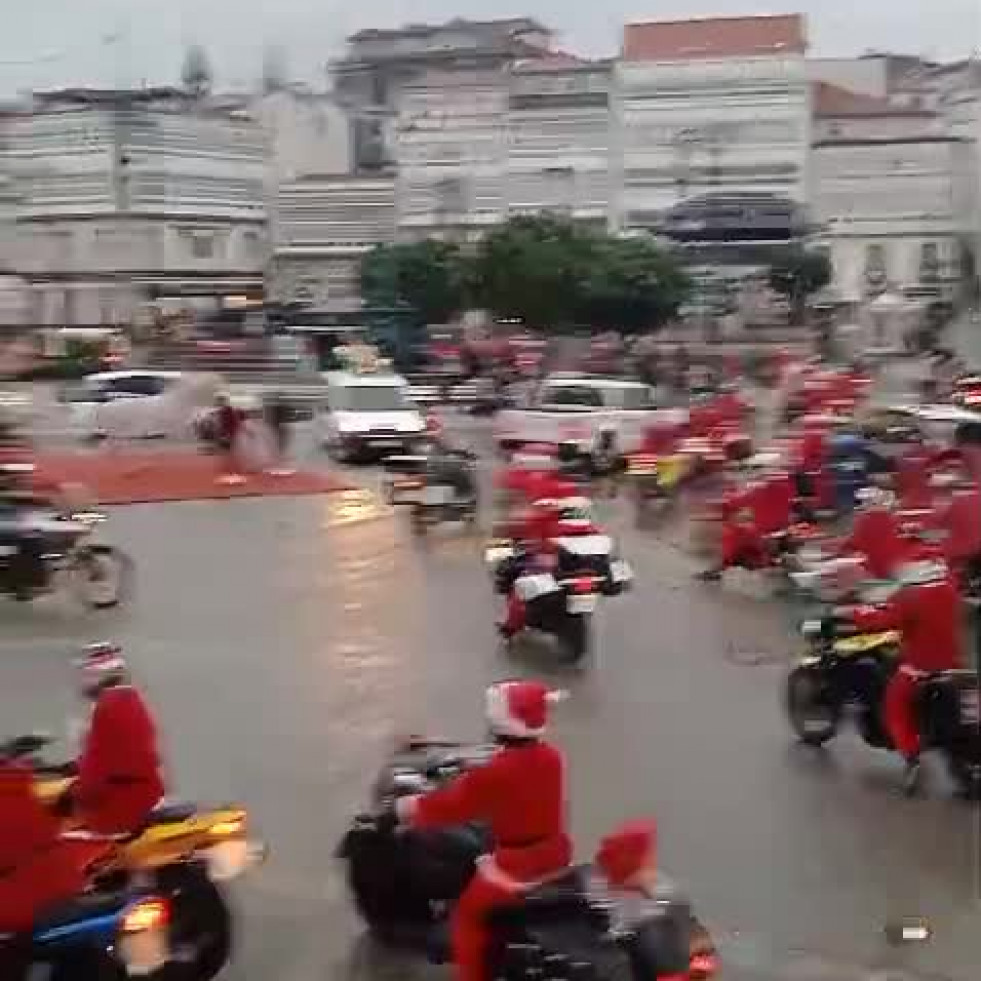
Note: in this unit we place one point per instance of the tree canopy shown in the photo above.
(428, 276)
(196, 74)
(796, 273)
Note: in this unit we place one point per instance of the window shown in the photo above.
(875, 263)
(137, 385)
(202, 245)
(585, 395)
(637, 398)
(370, 398)
(929, 262)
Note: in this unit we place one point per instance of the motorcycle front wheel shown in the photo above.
(813, 716)
(101, 576)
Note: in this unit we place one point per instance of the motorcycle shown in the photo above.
(186, 853)
(404, 884)
(42, 549)
(845, 673)
(560, 603)
(104, 935)
(433, 488)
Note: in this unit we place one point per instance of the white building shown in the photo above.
(891, 193)
(714, 106)
(452, 154)
(131, 196)
(559, 137)
(325, 225)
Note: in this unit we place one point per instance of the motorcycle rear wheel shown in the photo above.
(201, 927)
(573, 637)
(813, 717)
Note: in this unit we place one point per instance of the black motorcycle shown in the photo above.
(438, 487)
(404, 884)
(846, 672)
(559, 603)
(42, 549)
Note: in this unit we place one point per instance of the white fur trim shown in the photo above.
(500, 718)
(557, 695)
(587, 544)
(406, 807)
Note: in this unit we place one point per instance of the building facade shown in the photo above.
(325, 225)
(710, 107)
(891, 195)
(451, 152)
(559, 138)
(126, 197)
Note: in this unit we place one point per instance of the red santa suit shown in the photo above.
(520, 794)
(960, 518)
(926, 611)
(119, 772)
(37, 868)
(876, 537)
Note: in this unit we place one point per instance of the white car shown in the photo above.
(138, 403)
(577, 409)
(369, 415)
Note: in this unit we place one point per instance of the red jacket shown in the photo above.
(811, 450)
(520, 793)
(119, 771)
(771, 501)
(37, 870)
(961, 519)
(876, 538)
(928, 617)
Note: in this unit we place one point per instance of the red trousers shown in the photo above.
(743, 545)
(470, 934)
(899, 714)
(514, 618)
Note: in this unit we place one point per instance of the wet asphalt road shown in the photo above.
(284, 642)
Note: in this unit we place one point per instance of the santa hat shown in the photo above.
(626, 851)
(519, 708)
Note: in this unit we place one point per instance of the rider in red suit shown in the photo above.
(119, 770)
(38, 869)
(926, 611)
(960, 519)
(876, 535)
(520, 793)
(750, 515)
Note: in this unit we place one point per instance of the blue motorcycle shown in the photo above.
(98, 936)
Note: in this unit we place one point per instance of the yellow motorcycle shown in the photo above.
(185, 852)
(655, 480)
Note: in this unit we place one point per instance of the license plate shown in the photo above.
(437, 495)
(582, 604)
(970, 707)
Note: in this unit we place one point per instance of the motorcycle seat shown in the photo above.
(171, 812)
(555, 899)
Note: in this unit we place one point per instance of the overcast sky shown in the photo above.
(48, 43)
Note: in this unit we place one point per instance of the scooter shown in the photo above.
(404, 885)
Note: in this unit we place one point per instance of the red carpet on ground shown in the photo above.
(118, 477)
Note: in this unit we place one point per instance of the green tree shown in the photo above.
(532, 267)
(196, 74)
(797, 273)
(632, 285)
(428, 276)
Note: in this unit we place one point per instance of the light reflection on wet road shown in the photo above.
(286, 641)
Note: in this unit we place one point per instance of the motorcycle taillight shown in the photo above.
(703, 966)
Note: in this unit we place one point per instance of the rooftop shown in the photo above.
(835, 101)
(715, 37)
(509, 25)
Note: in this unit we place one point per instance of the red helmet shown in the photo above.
(519, 709)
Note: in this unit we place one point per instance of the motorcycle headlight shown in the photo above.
(811, 628)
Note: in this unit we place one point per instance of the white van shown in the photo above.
(368, 416)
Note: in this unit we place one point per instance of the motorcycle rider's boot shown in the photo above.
(912, 777)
